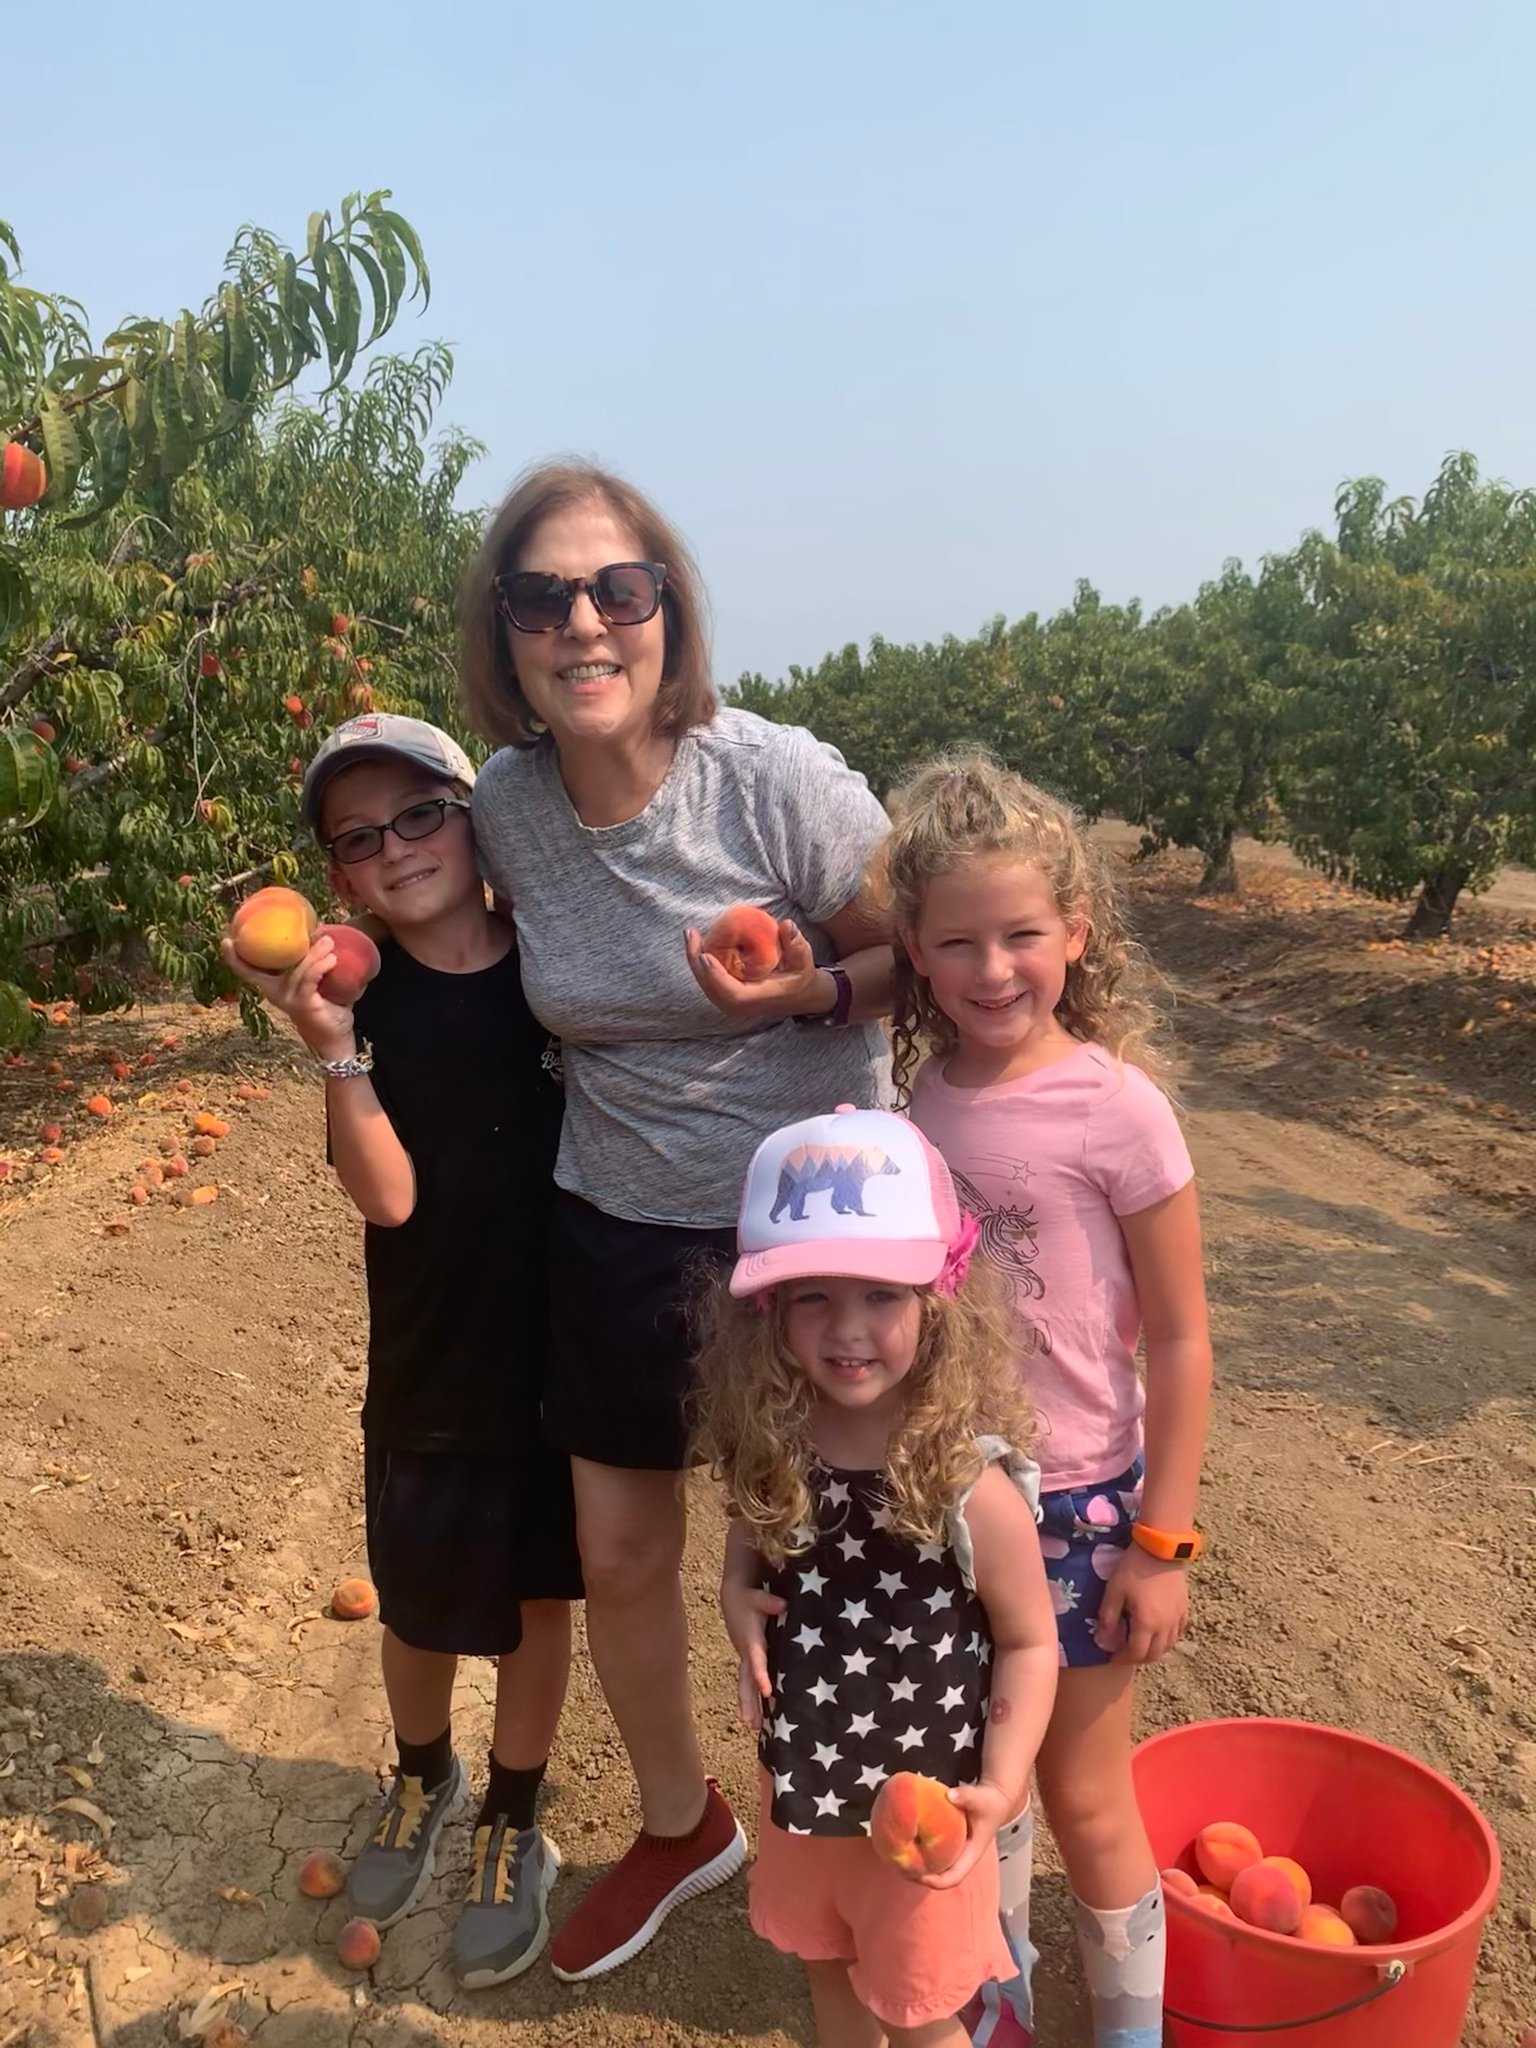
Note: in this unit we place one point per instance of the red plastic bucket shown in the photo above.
(1352, 1812)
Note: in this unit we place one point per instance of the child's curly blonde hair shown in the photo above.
(753, 1406)
(964, 807)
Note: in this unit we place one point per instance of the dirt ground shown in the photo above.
(180, 1487)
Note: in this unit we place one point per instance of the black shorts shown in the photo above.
(620, 1350)
(456, 1544)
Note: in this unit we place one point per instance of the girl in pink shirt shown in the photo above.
(1020, 978)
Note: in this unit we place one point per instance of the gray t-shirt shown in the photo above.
(666, 1098)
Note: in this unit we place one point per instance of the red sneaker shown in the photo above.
(625, 1909)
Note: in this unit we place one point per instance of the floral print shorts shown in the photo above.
(1084, 1534)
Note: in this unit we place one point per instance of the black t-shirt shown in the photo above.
(457, 1294)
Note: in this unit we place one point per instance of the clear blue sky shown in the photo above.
(909, 311)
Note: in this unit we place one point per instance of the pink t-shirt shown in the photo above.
(1048, 1164)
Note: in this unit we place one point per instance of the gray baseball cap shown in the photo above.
(383, 735)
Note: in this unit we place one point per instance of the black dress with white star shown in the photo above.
(880, 1663)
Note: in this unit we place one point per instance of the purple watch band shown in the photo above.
(838, 1014)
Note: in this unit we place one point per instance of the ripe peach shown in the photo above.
(358, 1945)
(23, 479)
(1180, 1883)
(203, 1148)
(176, 1168)
(52, 1155)
(1211, 1901)
(138, 1195)
(199, 1198)
(272, 929)
(1294, 1872)
(745, 940)
(1223, 1849)
(914, 1826)
(339, 623)
(354, 1600)
(1369, 1913)
(98, 1105)
(207, 1126)
(1266, 1897)
(1328, 1929)
(357, 962)
(44, 729)
(50, 1134)
(322, 1875)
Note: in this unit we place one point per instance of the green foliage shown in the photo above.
(239, 571)
(1372, 698)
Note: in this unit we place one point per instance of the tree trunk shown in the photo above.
(1431, 917)
(1220, 877)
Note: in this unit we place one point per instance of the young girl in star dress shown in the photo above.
(883, 1583)
(1016, 971)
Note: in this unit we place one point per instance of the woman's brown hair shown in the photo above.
(492, 699)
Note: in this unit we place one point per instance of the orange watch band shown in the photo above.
(1181, 1546)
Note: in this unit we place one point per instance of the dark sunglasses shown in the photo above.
(419, 821)
(623, 594)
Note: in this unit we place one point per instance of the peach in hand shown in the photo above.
(357, 962)
(914, 1826)
(1369, 1913)
(1266, 1897)
(272, 929)
(1320, 1924)
(745, 940)
(1223, 1849)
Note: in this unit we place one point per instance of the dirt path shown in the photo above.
(180, 1487)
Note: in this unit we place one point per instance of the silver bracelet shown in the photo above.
(352, 1068)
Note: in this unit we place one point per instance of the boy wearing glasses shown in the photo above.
(443, 1125)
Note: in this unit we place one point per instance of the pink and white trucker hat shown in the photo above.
(859, 1194)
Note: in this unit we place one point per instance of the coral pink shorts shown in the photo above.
(913, 1955)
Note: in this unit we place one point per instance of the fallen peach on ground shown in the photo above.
(1223, 1849)
(354, 1600)
(322, 1875)
(358, 1945)
(914, 1826)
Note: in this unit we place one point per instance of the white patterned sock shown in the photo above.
(1123, 1956)
(1016, 1863)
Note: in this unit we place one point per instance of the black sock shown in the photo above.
(429, 1761)
(514, 1793)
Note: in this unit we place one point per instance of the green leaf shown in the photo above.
(314, 241)
(112, 451)
(61, 444)
(239, 348)
(29, 775)
(346, 310)
(15, 597)
(92, 699)
(405, 233)
(17, 1024)
(378, 285)
(177, 447)
(392, 262)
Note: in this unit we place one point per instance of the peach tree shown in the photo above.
(223, 562)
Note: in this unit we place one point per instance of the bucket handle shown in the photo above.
(1392, 1975)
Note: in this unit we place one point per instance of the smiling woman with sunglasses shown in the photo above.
(624, 811)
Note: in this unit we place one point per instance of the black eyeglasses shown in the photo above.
(418, 821)
(623, 594)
